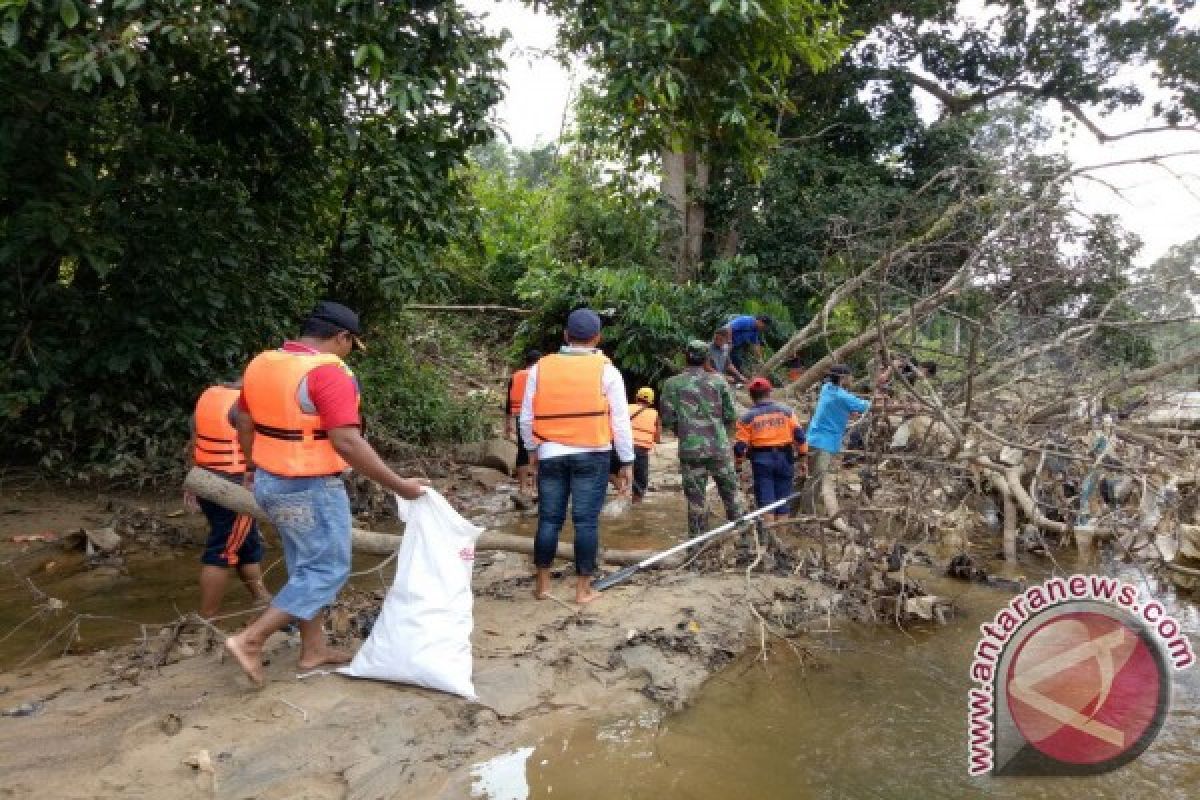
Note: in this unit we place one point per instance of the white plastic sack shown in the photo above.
(423, 633)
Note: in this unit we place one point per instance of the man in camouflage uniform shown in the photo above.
(698, 407)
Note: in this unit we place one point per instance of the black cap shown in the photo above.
(340, 317)
(839, 369)
(583, 324)
(532, 355)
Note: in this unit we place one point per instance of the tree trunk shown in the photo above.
(685, 179)
(696, 214)
(236, 498)
(674, 192)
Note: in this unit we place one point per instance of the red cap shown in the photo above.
(759, 385)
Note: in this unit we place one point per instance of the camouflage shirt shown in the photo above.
(698, 407)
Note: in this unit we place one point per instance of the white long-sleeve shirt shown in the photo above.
(613, 386)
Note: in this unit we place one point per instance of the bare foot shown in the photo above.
(329, 655)
(541, 584)
(586, 596)
(249, 659)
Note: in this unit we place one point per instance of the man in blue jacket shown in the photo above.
(825, 433)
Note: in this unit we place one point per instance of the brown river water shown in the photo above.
(883, 715)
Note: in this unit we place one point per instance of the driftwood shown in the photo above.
(236, 498)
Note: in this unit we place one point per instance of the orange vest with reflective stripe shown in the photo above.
(767, 426)
(217, 445)
(569, 406)
(516, 392)
(288, 441)
(644, 420)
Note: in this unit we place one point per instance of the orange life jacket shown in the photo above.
(217, 445)
(769, 425)
(569, 406)
(644, 420)
(287, 440)
(516, 392)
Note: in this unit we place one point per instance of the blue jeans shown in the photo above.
(581, 478)
(312, 517)
(774, 471)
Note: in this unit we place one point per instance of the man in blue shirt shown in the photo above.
(825, 433)
(746, 333)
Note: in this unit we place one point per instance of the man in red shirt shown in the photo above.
(299, 427)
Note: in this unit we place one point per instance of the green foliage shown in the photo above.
(407, 399)
(648, 320)
(180, 181)
(687, 76)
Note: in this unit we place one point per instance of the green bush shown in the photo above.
(648, 320)
(408, 400)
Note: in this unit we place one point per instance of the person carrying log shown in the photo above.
(647, 432)
(512, 412)
(299, 426)
(698, 406)
(771, 436)
(825, 432)
(573, 415)
(234, 542)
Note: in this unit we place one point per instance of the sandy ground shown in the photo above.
(107, 724)
(105, 731)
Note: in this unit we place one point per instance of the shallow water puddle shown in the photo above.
(502, 777)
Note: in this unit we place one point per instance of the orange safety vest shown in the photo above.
(217, 445)
(516, 392)
(569, 406)
(644, 420)
(288, 441)
(767, 426)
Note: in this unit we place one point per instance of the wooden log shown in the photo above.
(236, 498)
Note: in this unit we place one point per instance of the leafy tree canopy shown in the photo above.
(179, 181)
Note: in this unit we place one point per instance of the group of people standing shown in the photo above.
(291, 427)
(575, 428)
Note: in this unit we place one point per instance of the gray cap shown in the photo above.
(839, 369)
(583, 324)
(697, 348)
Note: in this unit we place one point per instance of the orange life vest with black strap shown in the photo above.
(644, 420)
(516, 392)
(288, 441)
(569, 406)
(216, 446)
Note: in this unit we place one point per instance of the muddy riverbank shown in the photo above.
(96, 728)
(137, 703)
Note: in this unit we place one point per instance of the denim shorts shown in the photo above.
(312, 517)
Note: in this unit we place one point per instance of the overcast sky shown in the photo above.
(1162, 208)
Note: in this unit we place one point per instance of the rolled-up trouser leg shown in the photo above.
(818, 467)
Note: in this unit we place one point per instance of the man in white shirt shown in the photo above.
(574, 414)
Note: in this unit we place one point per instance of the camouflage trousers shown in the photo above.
(695, 485)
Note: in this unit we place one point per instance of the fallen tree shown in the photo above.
(236, 498)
